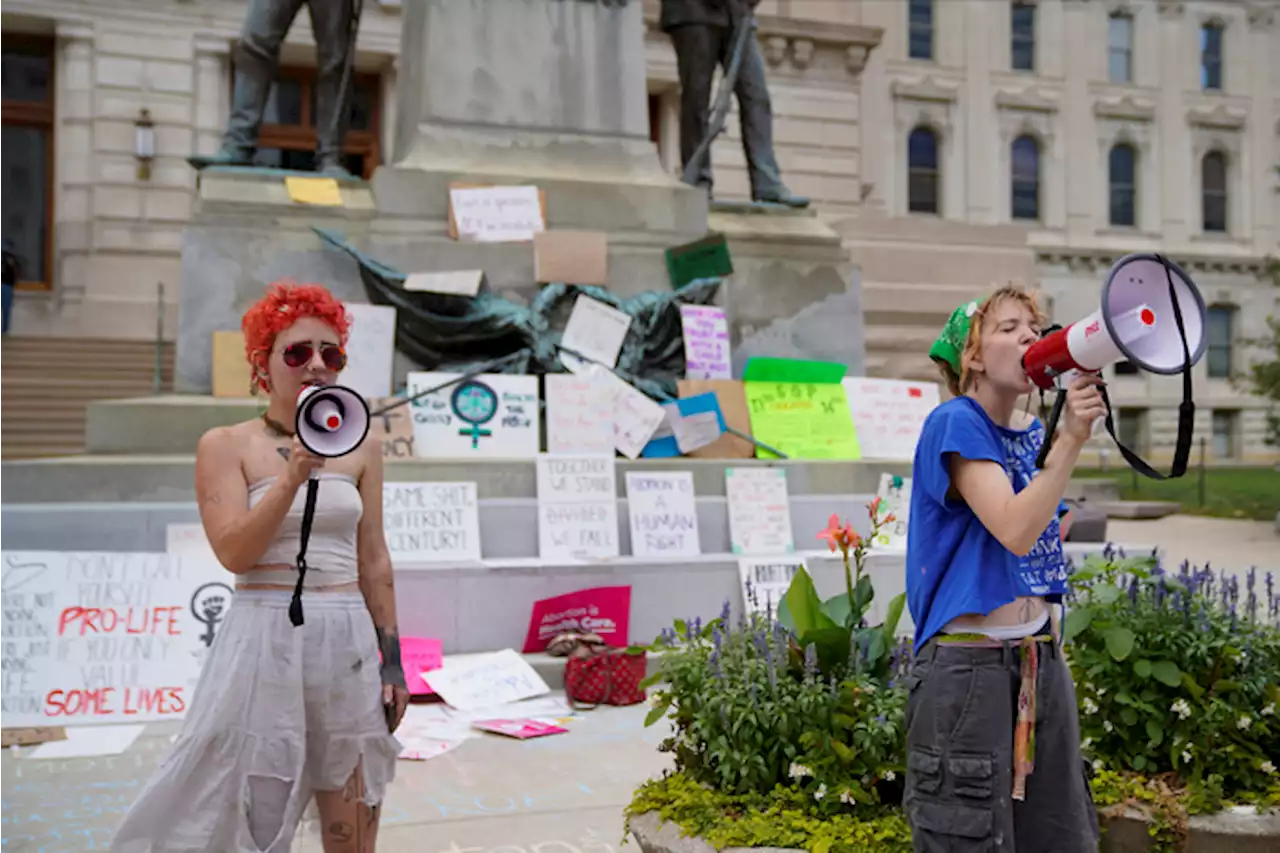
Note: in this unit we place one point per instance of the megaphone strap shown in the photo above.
(308, 515)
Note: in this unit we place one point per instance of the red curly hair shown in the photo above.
(285, 303)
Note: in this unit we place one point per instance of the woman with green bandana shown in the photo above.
(993, 740)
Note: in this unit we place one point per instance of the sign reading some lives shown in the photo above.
(759, 511)
(94, 638)
(577, 507)
(706, 342)
(490, 415)
(889, 414)
(664, 516)
(579, 414)
(431, 522)
(765, 581)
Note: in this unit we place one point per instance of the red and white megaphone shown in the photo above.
(332, 420)
(1137, 321)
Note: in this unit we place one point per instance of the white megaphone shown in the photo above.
(332, 420)
(1151, 314)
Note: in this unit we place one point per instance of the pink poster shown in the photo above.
(519, 729)
(604, 610)
(419, 655)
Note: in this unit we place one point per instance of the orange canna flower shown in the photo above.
(836, 534)
(890, 518)
(874, 507)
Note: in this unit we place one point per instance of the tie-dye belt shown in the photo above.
(1024, 731)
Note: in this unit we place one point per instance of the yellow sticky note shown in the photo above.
(321, 191)
(804, 420)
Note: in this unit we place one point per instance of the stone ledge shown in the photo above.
(1224, 832)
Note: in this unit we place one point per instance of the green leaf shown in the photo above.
(891, 617)
(838, 609)
(863, 593)
(1129, 716)
(1142, 668)
(782, 613)
(805, 606)
(658, 711)
(1189, 684)
(1167, 672)
(1119, 642)
(1104, 593)
(842, 751)
(1225, 685)
(650, 680)
(822, 845)
(1155, 732)
(1077, 621)
(1139, 762)
(682, 628)
(832, 646)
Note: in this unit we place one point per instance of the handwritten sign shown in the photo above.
(431, 522)
(689, 424)
(604, 610)
(579, 415)
(419, 655)
(577, 507)
(453, 282)
(394, 429)
(92, 638)
(493, 415)
(888, 414)
(759, 510)
(370, 349)
(805, 420)
(635, 417)
(664, 514)
(497, 214)
(765, 581)
(895, 499)
(706, 342)
(596, 330)
(468, 682)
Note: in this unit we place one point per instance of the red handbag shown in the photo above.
(608, 678)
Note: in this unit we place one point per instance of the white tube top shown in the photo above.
(331, 550)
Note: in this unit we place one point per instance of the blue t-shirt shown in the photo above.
(954, 564)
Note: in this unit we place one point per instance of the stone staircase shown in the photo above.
(46, 385)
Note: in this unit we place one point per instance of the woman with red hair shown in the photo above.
(284, 713)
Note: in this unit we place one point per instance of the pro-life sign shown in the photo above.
(94, 638)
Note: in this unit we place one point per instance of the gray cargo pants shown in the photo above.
(961, 712)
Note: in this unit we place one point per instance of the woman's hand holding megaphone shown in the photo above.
(1084, 406)
(302, 463)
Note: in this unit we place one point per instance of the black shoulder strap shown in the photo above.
(308, 515)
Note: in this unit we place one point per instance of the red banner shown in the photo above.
(604, 610)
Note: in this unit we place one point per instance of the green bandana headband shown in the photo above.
(950, 343)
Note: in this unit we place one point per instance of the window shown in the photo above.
(1213, 191)
(920, 29)
(1211, 56)
(1120, 49)
(922, 171)
(1122, 181)
(1224, 433)
(1025, 169)
(27, 155)
(1131, 429)
(287, 139)
(1221, 320)
(1023, 31)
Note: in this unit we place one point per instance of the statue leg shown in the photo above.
(331, 25)
(756, 116)
(256, 57)
(698, 50)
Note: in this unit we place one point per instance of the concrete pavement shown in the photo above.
(1224, 543)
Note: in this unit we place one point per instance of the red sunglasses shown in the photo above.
(299, 354)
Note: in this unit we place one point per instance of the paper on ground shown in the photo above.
(428, 731)
(468, 682)
(89, 741)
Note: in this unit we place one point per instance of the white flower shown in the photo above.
(1097, 765)
(1186, 756)
(1181, 708)
(1244, 722)
(798, 771)
(889, 775)
(1086, 743)
(846, 797)
(1267, 767)
(821, 792)
(1102, 691)
(1269, 709)
(1107, 727)
(1090, 707)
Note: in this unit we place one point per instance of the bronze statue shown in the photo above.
(334, 24)
(707, 33)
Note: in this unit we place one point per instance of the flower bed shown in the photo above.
(788, 725)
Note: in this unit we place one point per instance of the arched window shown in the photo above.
(1213, 191)
(1122, 180)
(922, 171)
(1025, 177)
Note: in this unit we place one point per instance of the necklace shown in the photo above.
(276, 427)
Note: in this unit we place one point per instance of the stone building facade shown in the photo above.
(954, 144)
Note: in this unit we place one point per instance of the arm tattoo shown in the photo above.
(392, 671)
(284, 453)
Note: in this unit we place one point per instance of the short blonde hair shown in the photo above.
(958, 385)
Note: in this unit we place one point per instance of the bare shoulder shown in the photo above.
(225, 443)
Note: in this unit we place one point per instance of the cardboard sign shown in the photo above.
(805, 420)
(467, 682)
(888, 414)
(688, 425)
(707, 257)
(431, 522)
(452, 283)
(577, 507)
(765, 581)
(231, 375)
(595, 330)
(496, 214)
(323, 192)
(419, 655)
(759, 510)
(393, 428)
(572, 257)
(579, 415)
(604, 610)
(664, 514)
(94, 638)
(493, 415)
(706, 342)
(731, 400)
(370, 349)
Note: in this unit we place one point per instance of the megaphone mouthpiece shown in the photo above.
(332, 420)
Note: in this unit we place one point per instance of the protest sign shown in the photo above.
(579, 414)
(493, 415)
(577, 507)
(431, 522)
(759, 510)
(888, 414)
(664, 515)
(706, 342)
(604, 610)
(765, 581)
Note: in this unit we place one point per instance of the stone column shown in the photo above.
(73, 161)
(212, 91)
